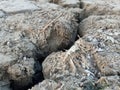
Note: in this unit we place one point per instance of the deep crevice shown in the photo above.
(38, 76)
(81, 5)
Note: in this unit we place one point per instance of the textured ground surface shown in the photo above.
(59, 45)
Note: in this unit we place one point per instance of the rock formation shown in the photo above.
(59, 45)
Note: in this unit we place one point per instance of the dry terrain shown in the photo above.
(59, 44)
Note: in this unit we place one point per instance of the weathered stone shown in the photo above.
(49, 33)
(74, 67)
(32, 29)
(100, 7)
(17, 61)
(13, 6)
(26, 35)
(99, 23)
(13, 49)
(46, 85)
(70, 83)
(22, 73)
(109, 83)
(104, 33)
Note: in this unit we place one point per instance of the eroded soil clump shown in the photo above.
(37, 45)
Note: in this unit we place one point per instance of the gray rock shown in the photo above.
(12, 6)
(17, 62)
(109, 83)
(75, 67)
(46, 85)
(103, 32)
(100, 7)
(26, 35)
(49, 33)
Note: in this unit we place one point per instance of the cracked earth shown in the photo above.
(59, 45)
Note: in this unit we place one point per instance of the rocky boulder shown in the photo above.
(28, 34)
(104, 33)
(59, 27)
(75, 67)
(100, 7)
(17, 61)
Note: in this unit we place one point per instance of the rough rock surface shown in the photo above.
(76, 67)
(95, 57)
(109, 83)
(41, 28)
(17, 59)
(29, 32)
(12, 6)
(37, 37)
(104, 33)
(47, 85)
(100, 7)
(69, 62)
